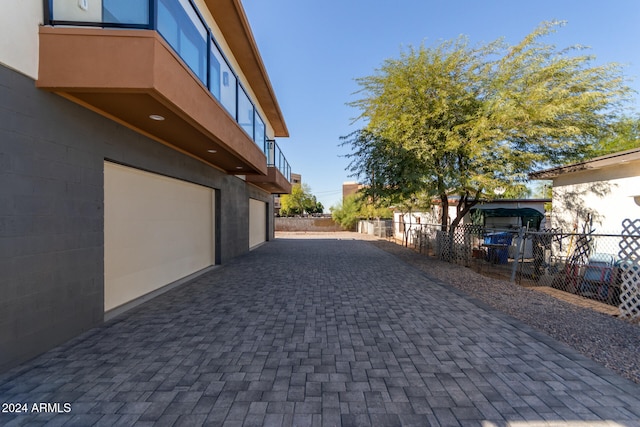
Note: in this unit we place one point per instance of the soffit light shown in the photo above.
(156, 117)
(212, 151)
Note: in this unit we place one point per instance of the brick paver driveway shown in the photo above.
(313, 333)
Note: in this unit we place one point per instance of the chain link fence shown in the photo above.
(602, 267)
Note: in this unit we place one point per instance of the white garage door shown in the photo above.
(156, 230)
(257, 222)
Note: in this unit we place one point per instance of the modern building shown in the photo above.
(137, 150)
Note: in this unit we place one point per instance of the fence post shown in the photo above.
(516, 258)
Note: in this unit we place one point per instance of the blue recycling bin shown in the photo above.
(498, 247)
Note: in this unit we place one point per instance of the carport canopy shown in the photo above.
(527, 215)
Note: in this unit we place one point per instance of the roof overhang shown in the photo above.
(614, 159)
(232, 21)
(129, 75)
(275, 182)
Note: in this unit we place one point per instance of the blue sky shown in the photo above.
(313, 50)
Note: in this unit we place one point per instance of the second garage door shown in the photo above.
(257, 222)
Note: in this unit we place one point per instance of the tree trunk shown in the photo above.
(444, 217)
(406, 230)
(463, 208)
(462, 212)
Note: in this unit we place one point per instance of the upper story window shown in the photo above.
(246, 112)
(126, 11)
(260, 131)
(222, 82)
(181, 25)
(184, 31)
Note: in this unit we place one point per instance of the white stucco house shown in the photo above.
(604, 190)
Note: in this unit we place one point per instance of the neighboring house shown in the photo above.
(136, 150)
(604, 191)
(500, 213)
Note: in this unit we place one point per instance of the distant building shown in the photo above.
(350, 188)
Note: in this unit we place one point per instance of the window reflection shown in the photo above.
(260, 132)
(180, 26)
(222, 81)
(125, 11)
(245, 112)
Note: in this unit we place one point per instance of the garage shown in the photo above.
(156, 230)
(257, 222)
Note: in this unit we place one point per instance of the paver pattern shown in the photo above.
(320, 332)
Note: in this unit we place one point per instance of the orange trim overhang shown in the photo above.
(129, 75)
(275, 182)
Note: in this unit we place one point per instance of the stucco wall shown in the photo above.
(606, 194)
(19, 21)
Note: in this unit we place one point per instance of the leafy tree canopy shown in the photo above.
(459, 120)
(355, 207)
(625, 136)
(347, 213)
(300, 201)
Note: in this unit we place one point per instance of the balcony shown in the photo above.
(154, 66)
(278, 179)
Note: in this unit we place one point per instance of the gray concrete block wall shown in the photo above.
(50, 227)
(52, 153)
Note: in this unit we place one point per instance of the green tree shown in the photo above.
(625, 136)
(543, 189)
(315, 207)
(300, 201)
(371, 211)
(392, 173)
(356, 207)
(460, 120)
(347, 213)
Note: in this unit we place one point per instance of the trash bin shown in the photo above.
(499, 253)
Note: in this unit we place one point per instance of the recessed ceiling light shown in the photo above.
(156, 117)
(238, 167)
(212, 151)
